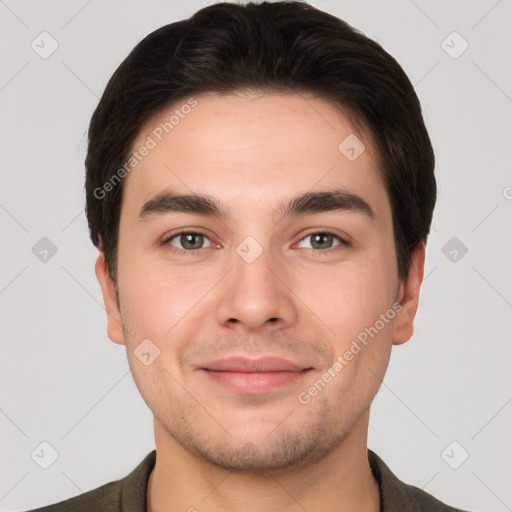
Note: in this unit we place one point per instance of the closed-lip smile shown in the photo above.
(254, 376)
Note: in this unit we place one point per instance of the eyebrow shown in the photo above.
(307, 203)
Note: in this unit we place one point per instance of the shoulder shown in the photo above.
(106, 498)
(125, 494)
(397, 495)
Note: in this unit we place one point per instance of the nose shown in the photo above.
(256, 296)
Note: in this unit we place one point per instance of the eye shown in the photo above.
(187, 241)
(323, 241)
(190, 241)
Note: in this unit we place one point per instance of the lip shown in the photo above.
(245, 364)
(254, 376)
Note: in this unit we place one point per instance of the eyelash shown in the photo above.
(193, 252)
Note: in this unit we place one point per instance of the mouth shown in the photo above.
(254, 376)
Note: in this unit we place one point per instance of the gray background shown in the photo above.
(64, 382)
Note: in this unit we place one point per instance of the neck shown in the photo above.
(339, 480)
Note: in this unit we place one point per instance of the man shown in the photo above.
(260, 186)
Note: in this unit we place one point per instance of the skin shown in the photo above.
(222, 450)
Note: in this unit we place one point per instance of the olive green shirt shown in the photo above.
(129, 494)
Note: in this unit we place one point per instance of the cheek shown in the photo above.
(155, 296)
(157, 383)
(171, 306)
(346, 298)
(350, 300)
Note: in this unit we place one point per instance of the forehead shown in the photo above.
(251, 150)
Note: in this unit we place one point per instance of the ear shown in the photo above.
(114, 322)
(408, 296)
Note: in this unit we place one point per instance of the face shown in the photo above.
(268, 321)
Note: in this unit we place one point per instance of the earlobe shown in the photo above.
(403, 326)
(114, 321)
